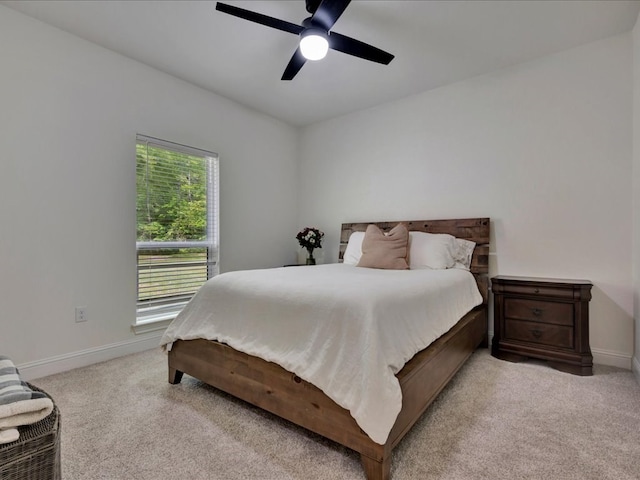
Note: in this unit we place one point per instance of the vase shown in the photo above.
(310, 259)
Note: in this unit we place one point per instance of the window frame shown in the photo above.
(149, 318)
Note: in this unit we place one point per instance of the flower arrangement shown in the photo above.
(310, 238)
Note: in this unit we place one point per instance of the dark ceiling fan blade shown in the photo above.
(294, 66)
(325, 13)
(260, 18)
(354, 47)
(328, 12)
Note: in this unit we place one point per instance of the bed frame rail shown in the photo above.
(272, 388)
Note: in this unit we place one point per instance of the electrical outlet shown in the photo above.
(81, 314)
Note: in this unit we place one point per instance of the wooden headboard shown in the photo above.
(475, 229)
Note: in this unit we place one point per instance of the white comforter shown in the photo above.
(345, 329)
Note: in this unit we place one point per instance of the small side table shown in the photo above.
(543, 318)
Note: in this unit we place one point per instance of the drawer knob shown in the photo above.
(536, 311)
(536, 333)
(536, 290)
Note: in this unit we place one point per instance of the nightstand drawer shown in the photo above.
(533, 332)
(536, 290)
(539, 311)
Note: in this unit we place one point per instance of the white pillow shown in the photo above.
(353, 251)
(463, 253)
(426, 250)
(432, 250)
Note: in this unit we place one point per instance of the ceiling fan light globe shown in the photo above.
(314, 46)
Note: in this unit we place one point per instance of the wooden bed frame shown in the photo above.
(281, 392)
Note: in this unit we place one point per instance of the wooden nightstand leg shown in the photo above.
(510, 357)
(583, 370)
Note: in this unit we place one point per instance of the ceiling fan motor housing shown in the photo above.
(312, 5)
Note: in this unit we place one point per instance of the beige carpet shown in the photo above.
(496, 420)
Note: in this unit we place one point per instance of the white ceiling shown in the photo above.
(435, 43)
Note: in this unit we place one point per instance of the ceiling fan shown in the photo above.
(315, 35)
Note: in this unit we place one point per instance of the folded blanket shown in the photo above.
(19, 405)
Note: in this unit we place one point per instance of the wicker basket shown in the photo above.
(36, 454)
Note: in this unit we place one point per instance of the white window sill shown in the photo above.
(150, 325)
(151, 320)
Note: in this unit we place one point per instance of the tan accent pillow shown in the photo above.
(385, 251)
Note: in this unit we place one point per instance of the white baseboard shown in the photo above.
(635, 367)
(613, 359)
(82, 358)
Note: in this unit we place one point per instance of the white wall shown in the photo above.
(69, 114)
(636, 194)
(543, 148)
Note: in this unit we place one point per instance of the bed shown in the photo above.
(296, 396)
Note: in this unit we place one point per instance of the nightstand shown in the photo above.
(543, 318)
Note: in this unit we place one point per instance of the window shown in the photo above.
(177, 225)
